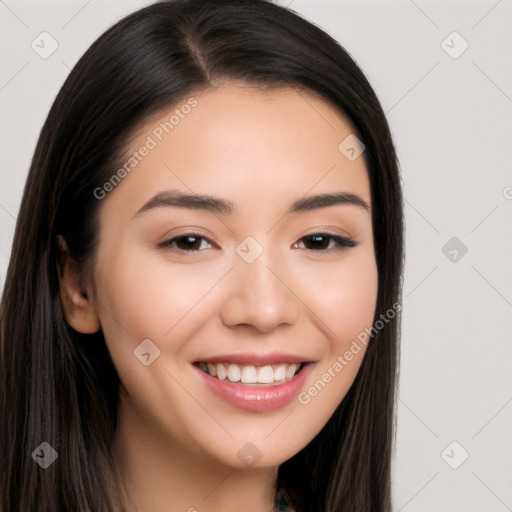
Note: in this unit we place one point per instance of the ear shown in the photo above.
(77, 302)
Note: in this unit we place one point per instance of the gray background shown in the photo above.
(451, 117)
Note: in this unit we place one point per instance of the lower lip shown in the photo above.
(257, 398)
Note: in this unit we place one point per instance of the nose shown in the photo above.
(259, 296)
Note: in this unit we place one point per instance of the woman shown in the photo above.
(200, 311)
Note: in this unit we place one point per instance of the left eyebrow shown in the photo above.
(325, 200)
(174, 198)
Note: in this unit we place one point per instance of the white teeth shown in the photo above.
(221, 371)
(290, 371)
(234, 373)
(251, 374)
(212, 370)
(281, 374)
(266, 375)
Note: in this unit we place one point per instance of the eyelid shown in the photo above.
(327, 229)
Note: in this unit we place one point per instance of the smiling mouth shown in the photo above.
(267, 375)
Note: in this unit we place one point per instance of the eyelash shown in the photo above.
(340, 241)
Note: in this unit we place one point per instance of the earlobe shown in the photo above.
(78, 305)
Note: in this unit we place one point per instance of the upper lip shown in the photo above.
(256, 358)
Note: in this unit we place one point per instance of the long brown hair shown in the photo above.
(60, 387)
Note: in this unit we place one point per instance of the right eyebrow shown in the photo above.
(188, 200)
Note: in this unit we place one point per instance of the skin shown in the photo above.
(177, 442)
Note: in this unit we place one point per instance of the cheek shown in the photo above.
(343, 297)
(143, 297)
(350, 302)
(345, 304)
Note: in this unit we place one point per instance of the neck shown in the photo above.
(159, 474)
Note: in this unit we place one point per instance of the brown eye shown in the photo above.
(325, 242)
(186, 243)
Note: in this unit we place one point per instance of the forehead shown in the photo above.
(236, 138)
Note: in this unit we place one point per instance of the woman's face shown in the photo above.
(224, 248)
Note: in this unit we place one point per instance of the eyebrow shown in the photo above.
(174, 198)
